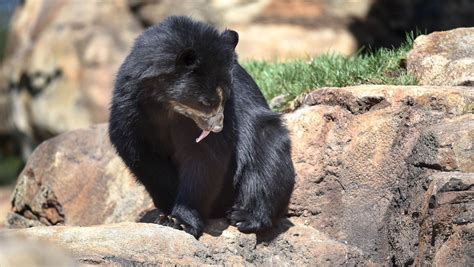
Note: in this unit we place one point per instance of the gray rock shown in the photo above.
(443, 58)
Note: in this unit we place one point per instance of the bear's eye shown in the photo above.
(204, 102)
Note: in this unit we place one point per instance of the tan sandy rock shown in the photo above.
(443, 58)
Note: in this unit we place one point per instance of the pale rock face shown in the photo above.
(286, 41)
(61, 62)
(377, 167)
(443, 58)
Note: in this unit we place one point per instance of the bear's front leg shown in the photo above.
(253, 211)
(183, 218)
(265, 181)
(197, 189)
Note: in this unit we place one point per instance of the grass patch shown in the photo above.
(3, 42)
(9, 169)
(292, 78)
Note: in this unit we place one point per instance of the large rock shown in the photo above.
(284, 30)
(286, 34)
(288, 41)
(149, 244)
(61, 61)
(217, 12)
(77, 179)
(19, 251)
(361, 154)
(366, 158)
(443, 58)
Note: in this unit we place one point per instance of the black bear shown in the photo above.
(196, 131)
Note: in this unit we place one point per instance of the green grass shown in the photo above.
(9, 169)
(292, 78)
(3, 42)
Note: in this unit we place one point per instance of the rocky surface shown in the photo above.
(20, 251)
(362, 155)
(61, 60)
(384, 174)
(76, 179)
(444, 58)
(217, 12)
(287, 41)
(284, 37)
(446, 221)
(139, 244)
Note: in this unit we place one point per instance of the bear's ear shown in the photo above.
(230, 37)
(187, 58)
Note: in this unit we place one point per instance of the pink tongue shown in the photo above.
(202, 136)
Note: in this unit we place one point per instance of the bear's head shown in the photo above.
(185, 66)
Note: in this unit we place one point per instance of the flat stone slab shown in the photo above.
(150, 244)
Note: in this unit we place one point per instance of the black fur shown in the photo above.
(244, 171)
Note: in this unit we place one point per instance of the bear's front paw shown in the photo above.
(248, 222)
(182, 219)
(170, 221)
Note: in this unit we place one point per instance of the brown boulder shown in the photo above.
(443, 58)
(360, 155)
(363, 155)
(76, 179)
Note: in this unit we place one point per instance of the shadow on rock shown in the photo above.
(387, 22)
(216, 227)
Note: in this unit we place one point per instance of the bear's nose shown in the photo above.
(217, 122)
(217, 128)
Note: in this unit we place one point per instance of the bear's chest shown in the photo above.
(213, 150)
